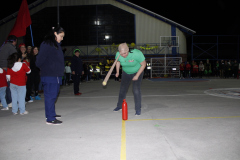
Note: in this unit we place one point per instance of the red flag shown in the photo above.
(22, 22)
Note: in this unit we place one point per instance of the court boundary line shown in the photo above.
(164, 119)
(123, 133)
(123, 141)
(167, 95)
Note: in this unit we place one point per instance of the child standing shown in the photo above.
(3, 86)
(16, 74)
(68, 73)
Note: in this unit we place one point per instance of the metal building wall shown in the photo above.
(5, 30)
(148, 28)
(182, 42)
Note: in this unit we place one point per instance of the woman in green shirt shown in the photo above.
(133, 64)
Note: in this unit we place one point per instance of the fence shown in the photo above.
(215, 47)
(165, 67)
(97, 52)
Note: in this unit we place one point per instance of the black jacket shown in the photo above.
(77, 65)
(50, 61)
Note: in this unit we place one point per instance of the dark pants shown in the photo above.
(76, 80)
(125, 82)
(67, 78)
(8, 94)
(29, 87)
(51, 91)
(33, 80)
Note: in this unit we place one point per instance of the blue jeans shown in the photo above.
(18, 98)
(51, 86)
(2, 96)
(125, 82)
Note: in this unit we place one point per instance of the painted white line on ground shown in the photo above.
(177, 95)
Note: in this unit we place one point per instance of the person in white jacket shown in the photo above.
(16, 74)
(68, 73)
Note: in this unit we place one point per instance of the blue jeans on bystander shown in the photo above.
(18, 98)
(2, 96)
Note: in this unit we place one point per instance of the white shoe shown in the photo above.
(30, 101)
(5, 109)
(10, 105)
(26, 112)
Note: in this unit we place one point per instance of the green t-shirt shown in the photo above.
(131, 63)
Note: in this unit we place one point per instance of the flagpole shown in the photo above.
(31, 34)
(58, 13)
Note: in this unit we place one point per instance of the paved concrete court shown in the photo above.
(181, 120)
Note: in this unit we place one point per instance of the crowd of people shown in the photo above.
(220, 69)
(25, 71)
(15, 68)
(90, 71)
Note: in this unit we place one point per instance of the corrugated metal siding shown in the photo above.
(5, 30)
(182, 42)
(148, 28)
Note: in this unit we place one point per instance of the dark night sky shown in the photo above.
(212, 17)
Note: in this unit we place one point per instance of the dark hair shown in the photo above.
(32, 53)
(50, 38)
(11, 38)
(13, 58)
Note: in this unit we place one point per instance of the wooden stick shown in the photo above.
(104, 83)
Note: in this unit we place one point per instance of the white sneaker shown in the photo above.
(0, 104)
(5, 109)
(26, 112)
(30, 101)
(10, 105)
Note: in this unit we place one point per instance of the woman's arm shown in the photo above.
(117, 68)
(42, 55)
(141, 69)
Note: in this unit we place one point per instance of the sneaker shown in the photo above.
(30, 101)
(5, 109)
(26, 112)
(138, 113)
(78, 94)
(117, 109)
(37, 98)
(58, 116)
(10, 105)
(55, 122)
(15, 113)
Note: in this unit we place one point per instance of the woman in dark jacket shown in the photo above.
(77, 71)
(35, 72)
(50, 60)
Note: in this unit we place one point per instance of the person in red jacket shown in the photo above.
(182, 68)
(3, 87)
(188, 70)
(16, 74)
(195, 70)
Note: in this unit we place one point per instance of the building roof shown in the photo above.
(155, 15)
